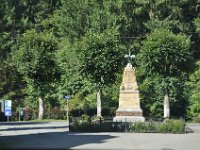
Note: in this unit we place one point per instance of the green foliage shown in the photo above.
(57, 48)
(87, 125)
(101, 54)
(55, 113)
(111, 96)
(193, 89)
(69, 66)
(197, 23)
(165, 58)
(131, 26)
(34, 57)
(80, 16)
(151, 96)
(165, 53)
(170, 126)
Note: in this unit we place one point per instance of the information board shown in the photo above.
(8, 107)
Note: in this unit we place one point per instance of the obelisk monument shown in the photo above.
(129, 100)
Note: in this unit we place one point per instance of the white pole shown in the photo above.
(67, 110)
(19, 113)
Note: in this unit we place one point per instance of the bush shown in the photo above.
(15, 116)
(56, 113)
(196, 119)
(169, 126)
(86, 125)
(97, 127)
(30, 114)
(2, 116)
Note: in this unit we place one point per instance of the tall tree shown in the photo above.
(17, 16)
(35, 60)
(168, 55)
(89, 20)
(102, 55)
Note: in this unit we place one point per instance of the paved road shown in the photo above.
(55, 135)
(26, 128)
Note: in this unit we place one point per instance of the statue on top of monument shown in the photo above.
(129, 57)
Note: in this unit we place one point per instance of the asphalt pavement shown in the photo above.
(56, 135)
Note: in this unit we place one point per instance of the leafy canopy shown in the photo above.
(35, 58)
(165, 53)
(102, 56)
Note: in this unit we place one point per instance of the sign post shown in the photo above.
(67, 98)
(8, 109)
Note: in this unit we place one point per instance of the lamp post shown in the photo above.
(67, 98)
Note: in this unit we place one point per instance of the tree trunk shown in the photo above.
(41, 109)
(99, 103)
(166, 105)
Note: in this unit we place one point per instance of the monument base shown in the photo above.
(128, 119)
(129, 112)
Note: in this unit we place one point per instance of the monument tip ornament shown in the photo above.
(129, 100)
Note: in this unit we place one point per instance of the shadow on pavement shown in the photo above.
(22, 123)
(33, 128)
(53, 140)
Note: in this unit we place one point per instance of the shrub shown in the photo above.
(2, 116)
(169, 126)
(29, 114)
(86, 125)
(56, 113)
(196, 119)
(97, 127)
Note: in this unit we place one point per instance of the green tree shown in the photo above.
(168, 55)
(177, 16)
(10, 79)
(90, 20)
(17, 16)
(101, 56)
(131, 27)
(35, 60)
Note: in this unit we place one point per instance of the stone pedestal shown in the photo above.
(129, 101)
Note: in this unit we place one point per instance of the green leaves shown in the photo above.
(35, 58)
(193, 89)
(166, 53)
(197, 24)
(102, 56)
(64, 44)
